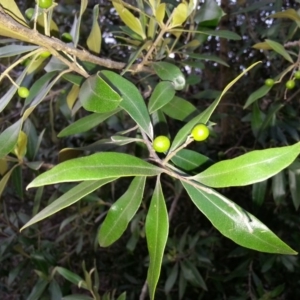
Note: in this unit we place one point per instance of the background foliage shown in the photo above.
(60, 256)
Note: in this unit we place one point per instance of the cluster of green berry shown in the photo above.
(290, 84)
(162, 143)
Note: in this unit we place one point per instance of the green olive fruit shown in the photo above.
(297, 74)
(200, 132)
(45, 3)
(269, 82)
(66, 37)
(29, 13)
(161, 144)
(290, 84)
(23, 92)
(45, 54)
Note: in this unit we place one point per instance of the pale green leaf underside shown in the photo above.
(235, 223)
(96, 166)
(249, 168)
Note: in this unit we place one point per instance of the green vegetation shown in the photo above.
(106, 188)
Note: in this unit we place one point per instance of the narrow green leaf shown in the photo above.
(70, 197)
(262, 91)
(12, 50)
(94, 39)
(170, 72)
(163, 93)
(249, 168)
(132, 103)
(121, 213)
(236, 223)
(70, 276)
(77, 297)
(192, 275)
(294, 183)
(278, 188)
(9, 138)
(38, 290)
(280, 50)
(171, 279)
(157, 230)
(221, 33)
(86, 123)
(259, 191)
(96, 95)
(122, 296)
(289, 13)
(96, 166)
(208, 57)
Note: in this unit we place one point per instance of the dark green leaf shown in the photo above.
(262, 91)
(121, 213)
(170, 72)
(86, 123)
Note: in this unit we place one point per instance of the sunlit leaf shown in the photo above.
(129, 19)
(95, 167)
(94, 39)
(180, 14)
(249, 168)
(289, 13)
(236, 223)
(121, 213)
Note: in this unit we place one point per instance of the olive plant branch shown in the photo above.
(54, 44)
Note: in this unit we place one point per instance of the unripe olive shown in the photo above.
(200, 132)
(23, 92)
(161, 144)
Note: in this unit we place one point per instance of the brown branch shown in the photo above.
(34, 37)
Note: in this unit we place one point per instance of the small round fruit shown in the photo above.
(290, 84)
(200, 132)
(29, 13)
(269, 82)
(23, 92)
(66, 37)
(161, 144)
(297, 74)
(45, 3)
(45, 54)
